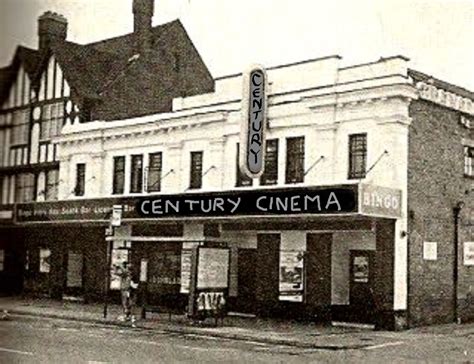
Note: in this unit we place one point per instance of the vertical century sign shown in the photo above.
(254, 120)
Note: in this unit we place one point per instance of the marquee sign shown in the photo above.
(360, 199)
(254, 115)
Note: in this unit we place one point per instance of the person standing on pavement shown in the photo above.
(127, 285)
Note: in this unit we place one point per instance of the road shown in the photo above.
(34, 340)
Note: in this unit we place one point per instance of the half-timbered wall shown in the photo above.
(29, 122)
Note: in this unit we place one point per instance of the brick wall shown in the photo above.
(435, 185)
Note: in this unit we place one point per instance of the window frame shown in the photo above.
(295, 159)
(195, 170)
(357, 150)
(116, 175)
(25, 182)
(19, 127)
(265, 179)
(136, 173)
(468, 156)
(80, 187)
(52, 117)
(154, 185)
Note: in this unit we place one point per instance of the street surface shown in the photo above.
(39, 340)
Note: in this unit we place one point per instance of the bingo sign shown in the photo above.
(254, 115)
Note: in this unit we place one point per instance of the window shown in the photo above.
(20, 127)
(51, 121)
(79, 190)
(241, 179)
(294, 160)
(154, 172)
(118, 183)
(25, 187)
(136, 174)
(357, 155)
(45, 261)
(270, 174)
(469, 161)
(52, 181)
(196, 170)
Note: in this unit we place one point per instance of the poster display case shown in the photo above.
(291, 285)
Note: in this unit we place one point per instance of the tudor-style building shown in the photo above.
(63, 83)
(398, 141)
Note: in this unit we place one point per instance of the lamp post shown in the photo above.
(457, 216)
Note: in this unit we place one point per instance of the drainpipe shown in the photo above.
(457, 217)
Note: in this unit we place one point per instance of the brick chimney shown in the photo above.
(142, 15)
(51, 27)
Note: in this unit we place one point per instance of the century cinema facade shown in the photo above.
(321, 235)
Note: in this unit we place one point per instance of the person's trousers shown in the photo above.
(126, 303)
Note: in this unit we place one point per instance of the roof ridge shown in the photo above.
(95, 43)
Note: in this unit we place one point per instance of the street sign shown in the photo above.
(116, 218)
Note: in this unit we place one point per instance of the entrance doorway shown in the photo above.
(362, 308)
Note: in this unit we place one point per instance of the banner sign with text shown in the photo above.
(81, 210)
(342, 199)
(380, 201)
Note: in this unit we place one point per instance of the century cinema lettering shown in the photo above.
(236, 204)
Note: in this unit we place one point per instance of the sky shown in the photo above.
(437, 35)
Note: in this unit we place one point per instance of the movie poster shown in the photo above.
(45, 261)
(213, 268)
(291, 276)
(186, 256)
(119, 256)
(361, 269)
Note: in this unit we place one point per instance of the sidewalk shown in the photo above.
(268, 331)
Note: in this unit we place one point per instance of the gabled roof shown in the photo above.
(93, 70)
(26, 57)
(86, 69)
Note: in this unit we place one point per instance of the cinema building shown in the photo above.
(364, 211)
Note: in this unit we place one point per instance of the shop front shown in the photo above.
(317, 253)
